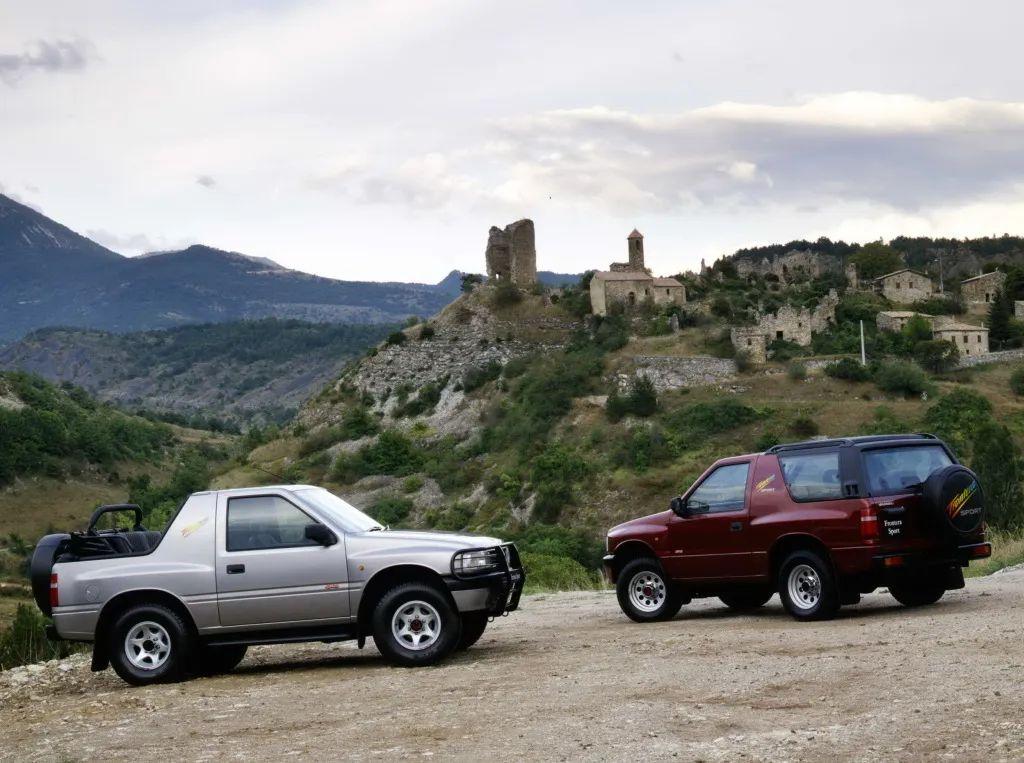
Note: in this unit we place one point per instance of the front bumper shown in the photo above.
(497, 593)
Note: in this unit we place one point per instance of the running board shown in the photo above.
(284, 636)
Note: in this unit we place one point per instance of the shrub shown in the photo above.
(412, 483)
(796, 371)
(956, 416)
(903, 378)
(998, 465)
(646, 447)
(884, 421)
(1017, 381)
(391, 510)
(357, 422)
(937, 355)
(848, 369)
(721, 307)
(917, 329)
(767, 440)
(783, 350)
(455, 517)
(393, 453)
(425, 400)
(700, 420)
(320, 440)
(939, 306)
(641, 400)
(469, 281)
(506, 294)
(516, 367)
(426, 332)
(396, 337)
(804, 426)
(478, 376)
(545, 572)
(555, 540)
(25, 641)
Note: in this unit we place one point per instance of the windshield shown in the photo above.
(348, 516)
(893, 470)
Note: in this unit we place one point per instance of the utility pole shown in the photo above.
(863, 355)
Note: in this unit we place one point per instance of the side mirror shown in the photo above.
(678, 506)
(321, 534)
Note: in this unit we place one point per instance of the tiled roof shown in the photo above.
(635, 234)
(667, 282)
(985, 275)
(899, 272)
(959, 327)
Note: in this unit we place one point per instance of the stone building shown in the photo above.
(512, 254)
(750, 341)
(788, 323)
(982, 288)
(905, 286)
(852, 280)
(629, 283)
(970, 340)
(896, 320)
(1018, 310)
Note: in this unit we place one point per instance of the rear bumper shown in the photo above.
(957, 555)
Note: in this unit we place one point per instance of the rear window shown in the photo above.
(893, 470)
(812, 476)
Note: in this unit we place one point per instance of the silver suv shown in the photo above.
(267, 565)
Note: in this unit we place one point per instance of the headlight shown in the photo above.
(475, 562)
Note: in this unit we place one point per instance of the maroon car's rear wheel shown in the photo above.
(645, 593)
(807, 586)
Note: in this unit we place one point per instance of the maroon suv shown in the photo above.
(819, 522)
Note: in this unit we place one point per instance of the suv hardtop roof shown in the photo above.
(859, 440)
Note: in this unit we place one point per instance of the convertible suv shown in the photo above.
(266, 565)
(820, 522)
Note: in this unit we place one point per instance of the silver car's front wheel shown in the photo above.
(416, 626)
(147, 645)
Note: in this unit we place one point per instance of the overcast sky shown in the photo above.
(380, 140)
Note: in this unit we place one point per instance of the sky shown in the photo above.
(380, 140)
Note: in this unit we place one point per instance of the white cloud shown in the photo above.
(46, 56)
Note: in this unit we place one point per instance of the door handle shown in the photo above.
(736, 526)
(236, 569)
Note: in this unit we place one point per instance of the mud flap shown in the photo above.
(361, 641)
(100, 658)
(954, 578)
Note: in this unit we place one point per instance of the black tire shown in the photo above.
(646, 576)
(917, 593)
(814, 594)
(956, 501)
(170, 642)
(745, 601)
(444, 621)
(214, 660)
(473, 626)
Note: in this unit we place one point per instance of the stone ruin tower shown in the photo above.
(512, 254)
(635, 243)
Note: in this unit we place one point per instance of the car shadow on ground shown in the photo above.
(878, 606)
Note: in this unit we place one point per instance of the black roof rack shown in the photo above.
(857, 440)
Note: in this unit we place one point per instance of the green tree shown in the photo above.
(918, 329)
(937, 355)
(998, 465)
(876, 259)
(1000, 314)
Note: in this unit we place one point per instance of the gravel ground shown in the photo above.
(569, 677)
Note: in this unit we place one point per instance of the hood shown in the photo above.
(452, 541)
(651, 523)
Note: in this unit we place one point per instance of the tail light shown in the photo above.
(981, 551)
(869, 524)
(54, 597)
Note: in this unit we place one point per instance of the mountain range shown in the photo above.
(52, 276)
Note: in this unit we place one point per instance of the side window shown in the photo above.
(265, 521)
(812, 476)
(723, 490)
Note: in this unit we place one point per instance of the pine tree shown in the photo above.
(998, 465)
(1000, 312)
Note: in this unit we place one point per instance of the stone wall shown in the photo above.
(1001, 356)
(1018, 310)
(796, 264)
(669, 373)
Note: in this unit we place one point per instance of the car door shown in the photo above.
(710, 542)
(269, 573)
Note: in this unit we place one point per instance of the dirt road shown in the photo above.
(568, 677)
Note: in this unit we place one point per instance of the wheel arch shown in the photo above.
(626, 552)
(389, 577)
(787, 544)
(119, 603)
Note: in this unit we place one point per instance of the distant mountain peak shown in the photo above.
(24, 229)
(202, 250)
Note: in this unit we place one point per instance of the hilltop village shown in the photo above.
(629, 287)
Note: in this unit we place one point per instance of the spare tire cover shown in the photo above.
(956, 499)
(41, 565)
